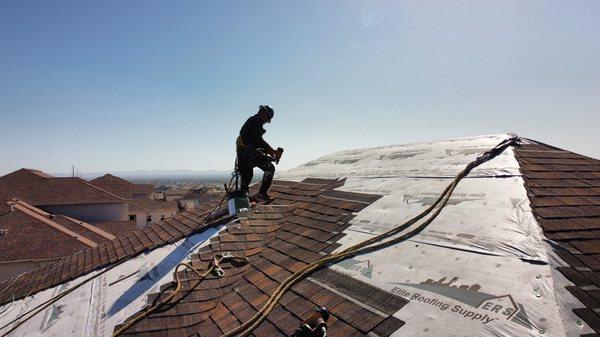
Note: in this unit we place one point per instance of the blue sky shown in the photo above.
(125, 85)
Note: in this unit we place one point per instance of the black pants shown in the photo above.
(250, 158)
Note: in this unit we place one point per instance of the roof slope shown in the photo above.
(153, 205)
(104, 254)
(484, 266)
(304, 222)
(28, 238)
(121, 187)
(117, 228)
(40, 189)
(33, 234)
(564, 189)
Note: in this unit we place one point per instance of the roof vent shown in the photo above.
(3, 231)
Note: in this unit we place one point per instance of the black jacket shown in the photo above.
(252, 132)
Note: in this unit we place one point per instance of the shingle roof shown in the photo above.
(117, 228)
(564, 190)
(32, 234)
(310, 218)
(175, 192)
(153, 205)
(41, 189)
(304, 222)
(301, 225)
(105, 253)
(121, 187)
(145, 188)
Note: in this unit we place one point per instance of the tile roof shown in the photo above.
(564, 190)
(117, 228)
(121, 187)
(40, 189)
(145, 188)
(304, 222)
(152, 205)
(309, 218)
(32, 234)
(105, 253)
(175, 192)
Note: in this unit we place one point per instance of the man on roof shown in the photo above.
(253, 151)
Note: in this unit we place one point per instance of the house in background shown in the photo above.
(147, 211)
(124, 188)
(199, 196)
(70, 196)
(174, 194)
(31, 237)
(143, 208)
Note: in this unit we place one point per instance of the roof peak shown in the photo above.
(36, 172)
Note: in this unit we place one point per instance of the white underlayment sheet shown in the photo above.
(96, 308)
(482, 268)
(443, 158)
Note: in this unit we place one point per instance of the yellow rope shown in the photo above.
(370, 245)
(213, 267)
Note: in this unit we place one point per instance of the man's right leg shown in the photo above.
(268, 173)
(268, 168)
(246, 171)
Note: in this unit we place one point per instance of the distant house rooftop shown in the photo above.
(33, 234)
(152, 205)
(175, 192)
(121, 187)
(41, 189)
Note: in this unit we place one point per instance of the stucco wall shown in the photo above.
(92, 212)
(156, 215)
(140, 219)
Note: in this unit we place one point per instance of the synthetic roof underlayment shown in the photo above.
(484, 267)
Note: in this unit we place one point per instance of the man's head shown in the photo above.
(266, 113)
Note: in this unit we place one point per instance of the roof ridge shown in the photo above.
(31, 207)
(81, 263)
(100, 189)
(39, 173)
(562, 190)
(91, 228)
(537, 142)
(26, 209)
(114, 176)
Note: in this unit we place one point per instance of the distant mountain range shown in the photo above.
(151, 174)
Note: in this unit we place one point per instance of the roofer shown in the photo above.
(253, 151)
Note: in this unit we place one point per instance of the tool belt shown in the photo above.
(239, 145)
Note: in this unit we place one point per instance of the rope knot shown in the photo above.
(219, 258)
